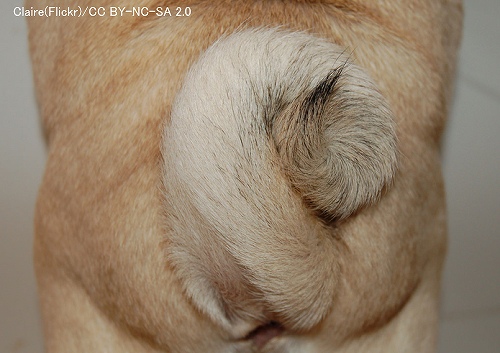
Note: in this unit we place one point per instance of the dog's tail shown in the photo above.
(272, 133)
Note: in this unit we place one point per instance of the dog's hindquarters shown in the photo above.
(272, 133)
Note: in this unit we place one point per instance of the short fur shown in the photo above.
(264, 112)
(260, 176)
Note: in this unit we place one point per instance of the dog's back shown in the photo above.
(217, 184)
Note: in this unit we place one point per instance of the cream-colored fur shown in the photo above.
(264, 112)
(259, 176)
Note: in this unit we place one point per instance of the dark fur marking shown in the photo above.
(314, 104)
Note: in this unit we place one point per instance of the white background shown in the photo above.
(471, 288)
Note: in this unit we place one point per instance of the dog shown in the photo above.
(242, 176)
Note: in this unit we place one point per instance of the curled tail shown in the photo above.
(271, 131)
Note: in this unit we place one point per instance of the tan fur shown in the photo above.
(186, 209)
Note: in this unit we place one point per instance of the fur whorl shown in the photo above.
(337, 141)
(268, 122)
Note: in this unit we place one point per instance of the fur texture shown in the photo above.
(216, 184)
(266, 112)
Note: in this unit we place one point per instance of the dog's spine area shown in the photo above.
(271, 134)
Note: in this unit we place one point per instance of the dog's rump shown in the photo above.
(272, 150)
(274, 138)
